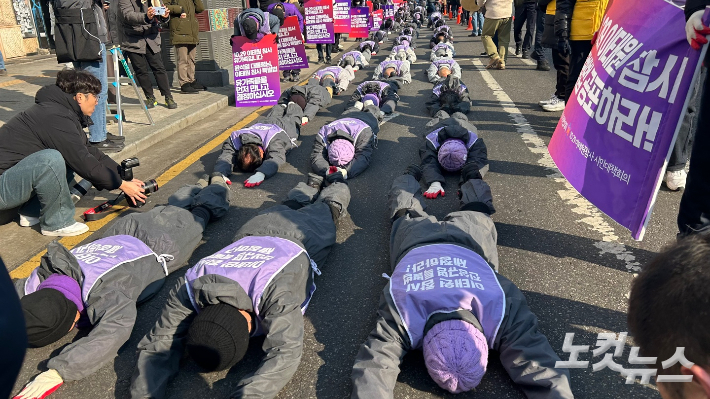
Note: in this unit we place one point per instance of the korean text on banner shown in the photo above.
(256, 71)
(377, 20)
(359, 22)
(341, 16)
(388, 11)
(319, 21)
(615, 135)
(292, 52)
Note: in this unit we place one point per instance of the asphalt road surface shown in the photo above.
(574, 264)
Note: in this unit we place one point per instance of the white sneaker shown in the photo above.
(368, 103)
(548, 101)
(555, 105)
(675, 180)
(27, 221)
(358, 105)
(73, 230)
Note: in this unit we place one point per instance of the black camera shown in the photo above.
(149, 186)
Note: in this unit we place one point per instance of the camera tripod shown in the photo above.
(117, 56)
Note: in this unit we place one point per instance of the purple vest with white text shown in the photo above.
(265, 131)
(448, 61)
(363, 44)
(98, 258)
(355, 54)
(332, 70)
(444, 278)
(433, 138)
(446, 46)
(401, 47)
(251, 262)
(351, 126)
(396, 64)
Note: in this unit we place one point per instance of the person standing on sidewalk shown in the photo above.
(74, 19)
(560, 61)
(3, 71)
(141, 44)
(498, 21)
(525, 12)
(184, 31)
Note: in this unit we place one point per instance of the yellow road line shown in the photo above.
(26, 268)
(19, 81)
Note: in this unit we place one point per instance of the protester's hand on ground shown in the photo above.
(133, 190)
(254, 180)
(695, 31)
(42, 386)
(304, 121)
(343, 172)
(332, 169)
(434, 190)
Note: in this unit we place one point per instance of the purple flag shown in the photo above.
(256, 71)
(292, 52)
(614, 138)
(359, 22)
(341, 16)
(319, 21)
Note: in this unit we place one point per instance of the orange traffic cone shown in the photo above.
(470, 27)
(458, 18)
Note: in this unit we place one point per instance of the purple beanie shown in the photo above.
(373, 98)
(456, 355)
(340, 152)
(452, 155)
(67, 286)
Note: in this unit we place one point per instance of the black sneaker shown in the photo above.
(414, 170)
(108, 146)
(198, 86)
(543, 65)
(170, 103)
(188, 89)
(295, 77)
(150, 102)
(329, 61)
(526, 54)
(517, 49)
(320, 61)
(114, 138)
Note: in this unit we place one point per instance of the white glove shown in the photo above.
(226, 180)
(304, 120)
(254, 180)
(42, 386)
(695, 31)
(344, 172)
(358, 105)
(434, 190)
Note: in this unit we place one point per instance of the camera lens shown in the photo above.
(150, 186)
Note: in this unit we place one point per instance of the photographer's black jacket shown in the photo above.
(56, 122)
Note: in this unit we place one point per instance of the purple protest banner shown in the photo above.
(359, 22)
(256, 71)
(376, 20)
(615, 135)
(388, 11)
(341, 16)
(319, 21)
(292, 52)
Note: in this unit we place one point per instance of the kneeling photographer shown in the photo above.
(42, 147)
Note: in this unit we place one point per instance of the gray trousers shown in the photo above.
(469, 228)
(40, 183)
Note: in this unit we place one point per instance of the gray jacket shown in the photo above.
(137, 32)
(404, 69)
(364, 146)
(432, 72)
(111, 304)
(316, 96)
(289, 119)
(312, 228)
(524, 352)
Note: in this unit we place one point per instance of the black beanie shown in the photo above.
(218, 338)
(299, 99)
(250, 28)
(279, 12)
(49, 316)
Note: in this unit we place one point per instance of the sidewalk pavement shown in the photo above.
(25, 77)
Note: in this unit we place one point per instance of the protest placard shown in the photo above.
(359, 22)
(616, 133)
(292, 52)
(376, 20)
(256, 71)
(341, 16)
(319, 21)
